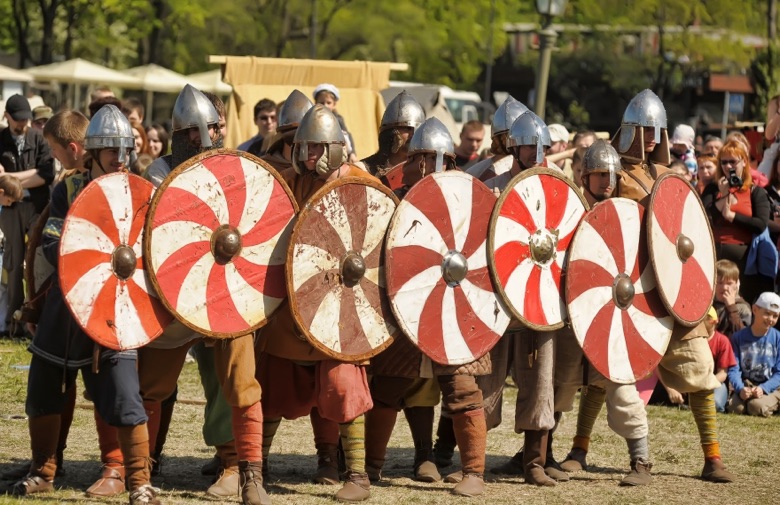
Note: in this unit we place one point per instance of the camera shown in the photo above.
(735, 181)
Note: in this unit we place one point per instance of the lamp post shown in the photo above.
(547, 37)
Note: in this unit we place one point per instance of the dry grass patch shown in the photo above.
(751, 449)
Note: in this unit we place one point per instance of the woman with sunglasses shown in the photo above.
(738, 210)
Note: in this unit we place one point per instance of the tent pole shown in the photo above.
(149, 110)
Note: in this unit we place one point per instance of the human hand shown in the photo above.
(730, 293)
(746, 393)
(758, 392)
(675, 396)
(723, 186)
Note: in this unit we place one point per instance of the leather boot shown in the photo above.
(212, 466)
(420, 421)
(576, 460)
(327, 464)
(551, 467)
(639, 475)
(380, 422)
(44, 435)
(66, 420)
(715, 471)
(444, 448)
(356, 488)
(164, 424)
(134, 441)
(112, 474)
(227, 484)
(534, 458)
(110, 483)
(471, 434)
(144, 495)
(512, 467)
(251, 481)
(326, 441)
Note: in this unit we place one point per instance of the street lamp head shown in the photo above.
(551, 7)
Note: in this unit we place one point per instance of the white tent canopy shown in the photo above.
(155, 78)
(11, 74)
(210, 81)
(78, 71)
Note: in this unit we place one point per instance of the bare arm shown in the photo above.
(555, 158)
(29, 178)
(721, 375)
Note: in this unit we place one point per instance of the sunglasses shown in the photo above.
(730, 162)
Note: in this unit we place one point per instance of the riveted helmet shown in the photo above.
(109, 128)
(194, 110)
(601, 157)
(293, 110)
(432, 137)
(529, 130)
(506, 114)
(319, 126)
(403, 110)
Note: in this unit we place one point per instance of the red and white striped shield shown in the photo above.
(216, 242)
(393, 178)
(613, 303)
(530, 231)
(101, 266)
(437, 278)
(682, 249)
(335, 269)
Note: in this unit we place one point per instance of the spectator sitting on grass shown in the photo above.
(755, 378)
(722, 355)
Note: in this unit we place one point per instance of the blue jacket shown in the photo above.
(762, 256)
(758, 360)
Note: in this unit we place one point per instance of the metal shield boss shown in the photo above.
(531, 229)
(682, 249)
(611, 294)
(101, 269)
(216, 242)
(436, 262)
(335, 269)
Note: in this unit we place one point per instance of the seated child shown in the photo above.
(756, 376)
(733, 311)
(723, 356)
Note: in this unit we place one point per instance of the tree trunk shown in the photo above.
(48, 14)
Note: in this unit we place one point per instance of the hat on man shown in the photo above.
(769, 301)
(558, 133)
(18, 108)
(42, 112)
(684, 134)
(330, 88)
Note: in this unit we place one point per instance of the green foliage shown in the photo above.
(766, 79)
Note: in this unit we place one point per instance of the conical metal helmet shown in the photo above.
(506, 114)
(403, 110)
(645, 110)
(432, 137)
(601, 157)
(194, 110)
(320, 126)
(109, 128)
(529, 130)
(293, 110)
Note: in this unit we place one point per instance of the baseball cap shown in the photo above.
(327, 87)
(684, 134)
(42, 112)
(558, 133)
(712, 313)
(18, 108)
(769, 301)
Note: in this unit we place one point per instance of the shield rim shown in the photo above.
(531, 172)
(147, 242)
(288, 273)
(401, 325)
(566, 287)
(82, 195)
(651, 250)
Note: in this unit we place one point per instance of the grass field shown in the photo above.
(750, 446)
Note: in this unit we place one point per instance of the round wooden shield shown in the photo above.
(682, 249)
(37, 269)
(437, 277)
(101, 266)
(393, 178)
(335, 269)
(530, 231)
(613, 303)
(216, 242)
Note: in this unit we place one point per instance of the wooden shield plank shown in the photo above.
(682, 249)
(394, 176)
(611, 295)
(436, 262)
(216, 242)
(530, 231)
(335, 269)
(101, 266)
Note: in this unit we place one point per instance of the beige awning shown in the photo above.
(210, 81)
(82, 72)
(359, 83)
(159, 79)
(12, 74)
